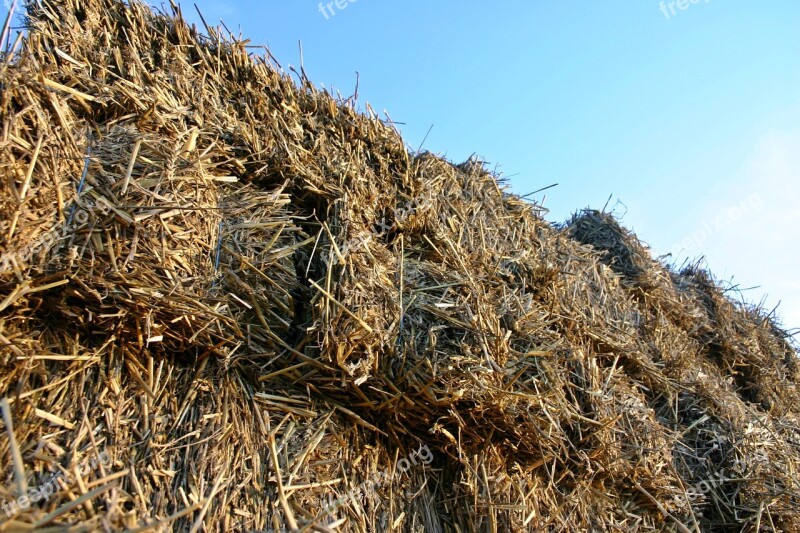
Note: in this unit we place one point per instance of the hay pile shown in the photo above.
(230, 302)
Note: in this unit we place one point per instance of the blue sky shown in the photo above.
(689, 117)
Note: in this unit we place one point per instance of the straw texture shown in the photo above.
(264, 313)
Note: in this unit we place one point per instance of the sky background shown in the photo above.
(689, 120)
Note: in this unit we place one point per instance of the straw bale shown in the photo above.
(265, 313)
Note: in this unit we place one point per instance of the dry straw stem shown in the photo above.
(214, 277)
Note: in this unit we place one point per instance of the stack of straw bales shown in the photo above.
(263, 313)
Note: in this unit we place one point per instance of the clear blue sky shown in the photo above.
(691, 119)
